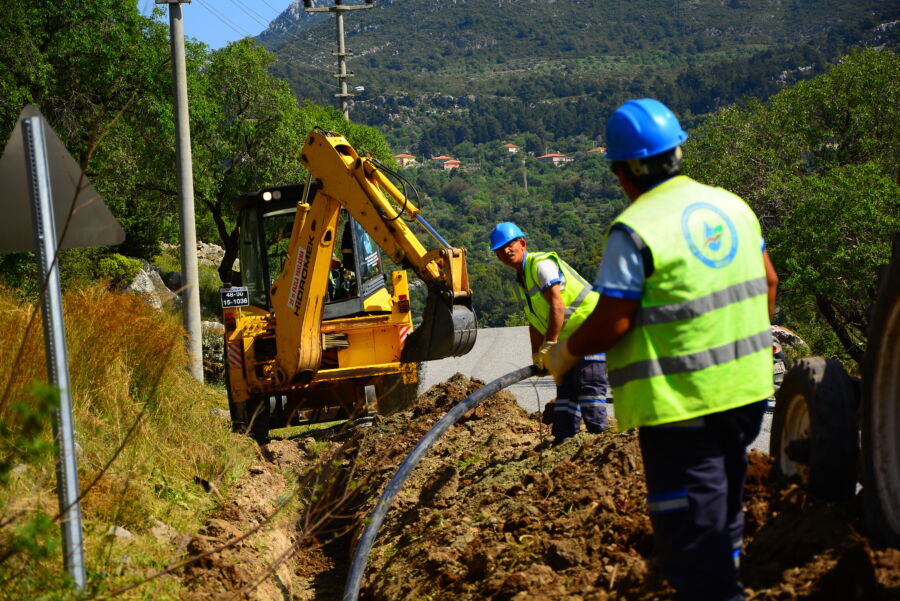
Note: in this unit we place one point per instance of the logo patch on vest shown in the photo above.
(710, 234)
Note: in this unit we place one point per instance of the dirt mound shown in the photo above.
(490, 513)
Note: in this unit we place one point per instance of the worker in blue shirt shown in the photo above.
(687, 292)
(556, 300)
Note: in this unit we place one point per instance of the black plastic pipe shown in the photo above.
(361, 557)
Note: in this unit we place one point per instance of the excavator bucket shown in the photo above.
(448, 328)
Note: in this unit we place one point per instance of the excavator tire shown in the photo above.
(258, 416)
(881, 411)
(814, 430)
(394, 395)
(237, 411)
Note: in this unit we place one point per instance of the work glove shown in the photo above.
(540, 357)
(559, 361)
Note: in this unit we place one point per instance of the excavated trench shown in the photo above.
(489, 513)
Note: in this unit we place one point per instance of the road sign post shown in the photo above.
(55, 345)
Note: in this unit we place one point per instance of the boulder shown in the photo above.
(213, 342)
(149, 284)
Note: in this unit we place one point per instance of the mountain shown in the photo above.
(290, 22)
(437, 74)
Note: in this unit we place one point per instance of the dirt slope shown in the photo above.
(490, 514)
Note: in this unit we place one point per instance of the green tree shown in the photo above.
(94, 69)
(816, 163)
(832, 267)
(248, 132)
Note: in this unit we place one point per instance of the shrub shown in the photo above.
(118, 270)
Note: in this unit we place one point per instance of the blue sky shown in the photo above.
(217, 22)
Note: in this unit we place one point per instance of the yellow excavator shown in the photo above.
(317, 331)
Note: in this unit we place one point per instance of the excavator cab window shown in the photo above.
(357, 270)
(252, 273)
(266, 220)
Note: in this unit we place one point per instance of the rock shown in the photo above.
(212, 327)
(207, 254)
(161, 531)
(787, 338)
(120, 533)
(149, 284)
(220, 413)
(212, 335)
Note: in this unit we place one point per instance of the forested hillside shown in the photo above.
(464, 77)
(439, 74)
(827, 146)
(99, 72)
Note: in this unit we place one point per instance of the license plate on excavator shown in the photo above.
(236, 296)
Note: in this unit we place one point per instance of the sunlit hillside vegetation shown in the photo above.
(145, 434)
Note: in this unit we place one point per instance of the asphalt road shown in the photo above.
(497, 352)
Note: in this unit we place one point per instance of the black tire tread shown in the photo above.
(874, 520)
(834, 437)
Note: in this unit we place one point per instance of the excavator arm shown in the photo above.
(339, 178)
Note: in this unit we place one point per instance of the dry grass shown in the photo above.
(145, 431)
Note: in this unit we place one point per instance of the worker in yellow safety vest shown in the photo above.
(556, 301)
(687, 292)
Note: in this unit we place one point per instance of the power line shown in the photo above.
(251, 13)
(224, 19)
(272, 7)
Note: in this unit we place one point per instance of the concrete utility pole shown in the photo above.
(339, 9)
(190, 289)
(525, 175)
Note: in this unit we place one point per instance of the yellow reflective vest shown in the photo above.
(701, 340)
(577, 296)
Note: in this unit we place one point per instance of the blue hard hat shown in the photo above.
(642, 128)
(504, 233)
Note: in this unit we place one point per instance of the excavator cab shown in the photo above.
(356, 283)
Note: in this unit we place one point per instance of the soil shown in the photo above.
(490, 512)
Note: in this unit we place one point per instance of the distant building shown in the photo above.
(555, 158)
(442, 158)
(405, 160)
(512, 148)
(598, 149)
(451, 164)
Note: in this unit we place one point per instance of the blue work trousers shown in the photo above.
(695, 474)
(582, 395)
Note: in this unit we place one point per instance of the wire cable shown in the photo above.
(251, 13)
(224, 20)
(272, 7)
(403, 182)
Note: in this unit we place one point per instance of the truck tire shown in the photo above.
(814, 430)
(881, 410)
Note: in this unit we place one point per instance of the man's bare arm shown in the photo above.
(771, 281)
(604, 327)
(557, 313)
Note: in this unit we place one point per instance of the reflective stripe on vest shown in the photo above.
(700, 341)
(577, 296)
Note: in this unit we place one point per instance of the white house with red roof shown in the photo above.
(405, 160)
(555, 158)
